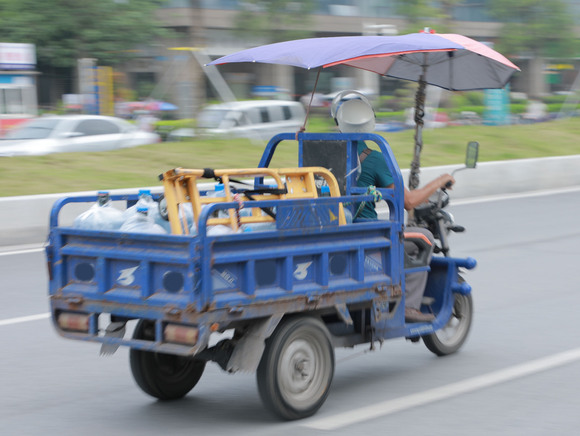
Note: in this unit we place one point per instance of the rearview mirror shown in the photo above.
(472, 154)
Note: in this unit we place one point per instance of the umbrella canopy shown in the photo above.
(449, 61)
(452, 61)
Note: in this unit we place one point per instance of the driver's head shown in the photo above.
(353, 114)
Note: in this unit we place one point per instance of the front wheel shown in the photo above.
(297, 367)
(452, 336)
(163, 376)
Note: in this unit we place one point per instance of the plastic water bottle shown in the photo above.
(145, 199)
(347, 215)
(101, 216)
(258, 227)
(325, 191)
(219, 229)
(219, 191)
(155, 214)
(141, 222)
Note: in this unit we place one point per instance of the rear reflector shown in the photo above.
(75, 322)
(179, 334)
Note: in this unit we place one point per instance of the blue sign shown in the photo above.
(497, 107)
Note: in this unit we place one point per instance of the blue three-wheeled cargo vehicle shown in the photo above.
(288, 275)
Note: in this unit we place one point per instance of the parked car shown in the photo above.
(72, 133)
(254, 119)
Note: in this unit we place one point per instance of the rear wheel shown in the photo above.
(297, 367)
(452, 336)
(163, 376)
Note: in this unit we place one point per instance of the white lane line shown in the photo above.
(493, 378)
(25, 251)
(512, 196)
(28, 318)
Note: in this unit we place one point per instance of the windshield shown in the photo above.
(212, 118)
(34, 129)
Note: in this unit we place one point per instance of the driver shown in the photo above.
(357, 115)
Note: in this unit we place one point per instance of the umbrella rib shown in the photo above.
(382, 55)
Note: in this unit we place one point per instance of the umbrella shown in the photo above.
(160, 106)
(449, 61)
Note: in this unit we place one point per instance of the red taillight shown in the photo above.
(75, 322)
(180, 334)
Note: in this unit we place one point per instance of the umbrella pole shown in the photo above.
(419, 115)
(416, 163)
(303, 128)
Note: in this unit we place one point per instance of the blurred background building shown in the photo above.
(207, 29)
(171, 68)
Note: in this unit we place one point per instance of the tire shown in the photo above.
(163, 376)
(452, 336)
(296, 369)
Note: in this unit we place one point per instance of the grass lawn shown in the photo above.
(68, 172)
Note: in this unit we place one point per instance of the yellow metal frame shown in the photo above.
(180, 187)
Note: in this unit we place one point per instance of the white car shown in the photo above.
(72, 133)
(255, 119)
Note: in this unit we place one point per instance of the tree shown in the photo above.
(415, 13)
(426, 13)
(542, 28)
(275, 20)
(66, 30)
(537, 29)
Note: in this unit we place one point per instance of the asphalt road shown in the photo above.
(516, 374)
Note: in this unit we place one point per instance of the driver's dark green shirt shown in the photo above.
(374, 172)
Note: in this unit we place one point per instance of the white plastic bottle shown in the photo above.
(347, 215)
(141, 222)
(219, 191)
(145, 199)
(101, 216)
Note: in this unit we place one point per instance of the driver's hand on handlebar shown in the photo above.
(447, 181)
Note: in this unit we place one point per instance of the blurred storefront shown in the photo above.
(17, 84)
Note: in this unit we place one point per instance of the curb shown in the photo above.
(24, 219)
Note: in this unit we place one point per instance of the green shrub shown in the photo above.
(165, 127)
(553, 99)
(518, 108)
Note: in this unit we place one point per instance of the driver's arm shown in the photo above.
(420, 195)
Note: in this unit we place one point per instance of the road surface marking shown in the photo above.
(20, 319)
(513, 196)
(23, 251)
(493, 378)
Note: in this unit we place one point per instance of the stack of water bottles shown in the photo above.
(101, 216)
(134, 220)
(143, 217)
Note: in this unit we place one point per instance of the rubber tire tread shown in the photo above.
(266, 372)
(145, 370)
(433, 343)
